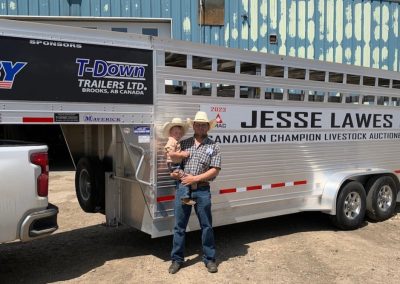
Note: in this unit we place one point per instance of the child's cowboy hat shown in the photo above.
(202, 117)
(176, 121)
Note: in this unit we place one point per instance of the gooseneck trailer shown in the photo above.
(295, 134)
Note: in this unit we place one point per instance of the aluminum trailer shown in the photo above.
(295, 134)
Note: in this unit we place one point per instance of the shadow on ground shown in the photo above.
(68, 255)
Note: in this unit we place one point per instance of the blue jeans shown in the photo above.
(186, 192)
(177, 167)
(202, 196)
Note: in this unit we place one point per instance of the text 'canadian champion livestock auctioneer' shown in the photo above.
(295, 134)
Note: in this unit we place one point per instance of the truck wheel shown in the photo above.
(381, 198)
(350, 206)
(89, 184)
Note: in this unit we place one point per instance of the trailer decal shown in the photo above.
(8, 71)
(141, 130)
(168, 198)
(289, 118)
(78, 72)
(288, 125)
(37, 119)
(297, 118)
(55, 43)
(66, 117)
(89, 118)
(263, 187)
(165, 198)
(111, 69)
(303, 137)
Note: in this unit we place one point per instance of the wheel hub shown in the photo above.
(385, 197)
(352, 205)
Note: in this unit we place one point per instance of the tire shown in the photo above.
(350, 206)
(89, 184)
(381, 198)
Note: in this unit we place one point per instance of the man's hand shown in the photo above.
(189, 179)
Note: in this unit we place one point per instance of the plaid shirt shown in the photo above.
(207, 155)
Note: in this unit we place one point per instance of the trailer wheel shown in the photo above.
(89, 184)
(381, 198)
(350, 206)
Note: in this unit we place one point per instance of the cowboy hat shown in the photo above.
(202, 117)
(176, 121)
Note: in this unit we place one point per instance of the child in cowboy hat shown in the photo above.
(175, 130)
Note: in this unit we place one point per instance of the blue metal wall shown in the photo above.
(360, 32)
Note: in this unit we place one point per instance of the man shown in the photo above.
(202, 165)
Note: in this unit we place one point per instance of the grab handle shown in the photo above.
(139, 166)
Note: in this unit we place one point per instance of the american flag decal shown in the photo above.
(6, 84)
(8, 72)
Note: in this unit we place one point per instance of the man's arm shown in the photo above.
(210, 174)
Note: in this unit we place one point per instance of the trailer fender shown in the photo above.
(335, 181)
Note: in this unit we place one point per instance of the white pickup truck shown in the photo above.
(25, 213)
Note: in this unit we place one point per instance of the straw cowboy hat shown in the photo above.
(176, 121)
(202, 117)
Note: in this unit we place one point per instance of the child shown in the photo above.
(175, 130)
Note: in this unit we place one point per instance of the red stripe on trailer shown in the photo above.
(254, 187)
(300, 182)
(279, 184)
(165, 198)
(228, 190)
(397, 171)
(248, 188)
(37, 119)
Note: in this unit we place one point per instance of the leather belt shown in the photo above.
(203, 183)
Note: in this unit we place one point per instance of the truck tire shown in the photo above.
(89, 184)
(350, 206)
(381, 198)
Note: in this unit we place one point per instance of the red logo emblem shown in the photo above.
(219, 119)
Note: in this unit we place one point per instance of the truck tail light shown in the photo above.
(41, 159)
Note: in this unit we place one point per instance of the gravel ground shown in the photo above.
(299, 248)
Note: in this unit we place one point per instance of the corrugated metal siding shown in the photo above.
(358, 32)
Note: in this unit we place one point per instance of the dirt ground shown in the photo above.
(299, 248)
